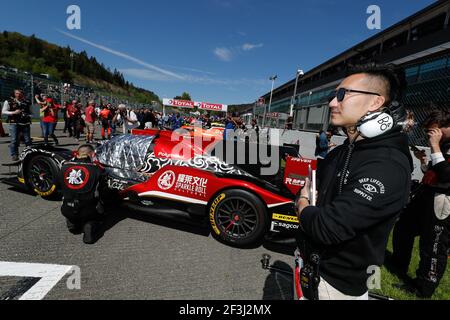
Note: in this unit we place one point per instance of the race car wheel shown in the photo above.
(238, 217)
(42, 176)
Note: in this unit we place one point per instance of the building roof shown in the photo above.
(430, 11)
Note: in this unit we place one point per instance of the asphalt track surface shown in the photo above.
(139, 257)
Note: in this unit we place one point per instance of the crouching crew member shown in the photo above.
(428, 214)
(363, 186)
(82, 187)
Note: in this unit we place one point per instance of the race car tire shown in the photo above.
(42, 177)
(238, 218)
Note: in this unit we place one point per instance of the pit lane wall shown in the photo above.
(307, 142)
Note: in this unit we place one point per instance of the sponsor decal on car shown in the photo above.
(287, 226)
(166, 180)
(76, 178)
(213, 210)
(191, 184)
(295, 182)
(115, 184)
(282, 217)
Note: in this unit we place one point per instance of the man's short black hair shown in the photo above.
(439, 117)
(84, 151)
(392, 77)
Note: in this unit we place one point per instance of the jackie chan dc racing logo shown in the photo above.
(76, 178)
(167, 180)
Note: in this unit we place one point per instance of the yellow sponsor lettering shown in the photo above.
(213, 210)
(21, 180)
(281, 217)
(46, 194)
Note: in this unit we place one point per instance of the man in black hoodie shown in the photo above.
(363, 185)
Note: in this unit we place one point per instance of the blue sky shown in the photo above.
(220, 51)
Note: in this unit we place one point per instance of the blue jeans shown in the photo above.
(14, 131)
(113, 127)
(49, 130)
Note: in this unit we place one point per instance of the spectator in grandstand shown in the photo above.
(18, 110)
(105, 117)
(90, 117)
(428, 214)
(127, 118)
(49, 110)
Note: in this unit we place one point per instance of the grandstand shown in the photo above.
(420, 44)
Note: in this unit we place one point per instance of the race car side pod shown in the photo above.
(266, 266)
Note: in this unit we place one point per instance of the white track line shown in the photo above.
(49, 274)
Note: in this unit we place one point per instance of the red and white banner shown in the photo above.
(214, 107)
(179, 103)
(191, 104)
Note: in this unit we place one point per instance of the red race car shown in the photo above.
(242, 197)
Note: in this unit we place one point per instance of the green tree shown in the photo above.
(185, 96)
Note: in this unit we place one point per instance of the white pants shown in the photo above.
(327, 292)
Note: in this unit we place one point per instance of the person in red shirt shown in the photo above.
(105, 117)
(73, 114)
(50, 110)
(90, 121)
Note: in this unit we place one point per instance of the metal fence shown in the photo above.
(60, 92)
(428, 89)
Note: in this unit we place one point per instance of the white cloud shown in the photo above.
(123, 55)
(149, 75)
(223, 54)
(154, 73)
(146, 74)
(250, 46)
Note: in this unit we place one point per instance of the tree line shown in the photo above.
(40, 57)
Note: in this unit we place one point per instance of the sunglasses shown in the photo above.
(340, 94)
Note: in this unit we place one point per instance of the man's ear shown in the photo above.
(377, 103)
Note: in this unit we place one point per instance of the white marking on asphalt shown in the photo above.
(50, 275)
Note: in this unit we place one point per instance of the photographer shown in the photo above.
(18, 111)
(428, 213)
(127, 117)
(363, 185)
(49, 110)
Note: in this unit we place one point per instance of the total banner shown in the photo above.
(192, 104)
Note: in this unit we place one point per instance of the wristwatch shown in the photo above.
(303, 197)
